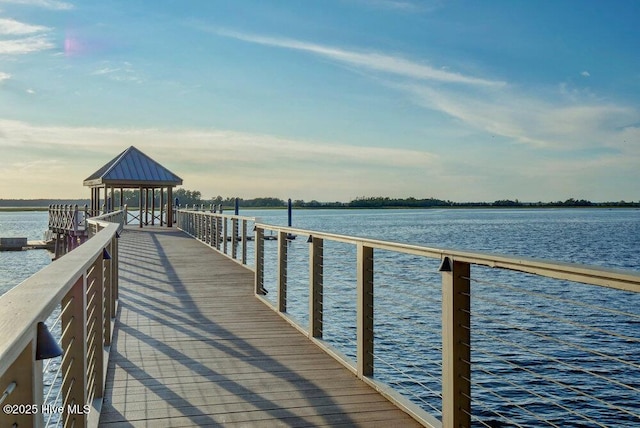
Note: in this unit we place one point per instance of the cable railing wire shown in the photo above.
(562, 319)
(421, 343)
(401, 292)
(423, 328)
(408, 376)
(560, 341)
(550, 398)
(399, 384)
(493, 412)
(550, 379)
(385, 298)
(554, 298)
(549, 358)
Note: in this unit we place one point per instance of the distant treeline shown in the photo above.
(194, 197)
(386, 202)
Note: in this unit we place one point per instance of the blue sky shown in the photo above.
(327, 100)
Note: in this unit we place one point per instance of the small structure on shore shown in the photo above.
(133, 169)
(19, 244)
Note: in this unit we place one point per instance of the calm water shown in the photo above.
(590, 236)
(16, 266)
(408, 302)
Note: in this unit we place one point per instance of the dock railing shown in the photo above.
(227, 233)
(67, 218)
(458, 338)
(455, 338)
(75, 297)
(520, 342)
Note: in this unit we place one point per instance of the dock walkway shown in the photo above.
(194, 347)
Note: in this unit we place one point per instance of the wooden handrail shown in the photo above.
(23, 307)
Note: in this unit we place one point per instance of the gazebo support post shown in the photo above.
(140, 207)
(170, 206)
(153, 206)
(161, 205)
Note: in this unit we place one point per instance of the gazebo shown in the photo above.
(132, 169)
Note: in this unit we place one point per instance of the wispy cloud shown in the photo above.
(25, 45)
(585, 74)
(124, 72)
(402, 5)
(561, 121)
(373, 61)
(399, 4)
(4, 76)
(13, 27)
(253, 164)
(20, 38)
(556, 125)
(248, 148)
(22, 45)
(47, 4)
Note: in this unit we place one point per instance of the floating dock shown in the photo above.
(20, 244)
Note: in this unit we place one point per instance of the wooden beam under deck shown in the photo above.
(194, 347)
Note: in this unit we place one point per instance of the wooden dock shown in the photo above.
(193, 347)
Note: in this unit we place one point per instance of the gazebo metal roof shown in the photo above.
(132, 168)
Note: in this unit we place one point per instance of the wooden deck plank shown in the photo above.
(194, 347)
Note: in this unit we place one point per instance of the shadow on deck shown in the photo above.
(194, 347)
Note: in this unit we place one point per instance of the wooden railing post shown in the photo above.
(100, 333)
(22, 373)
(365, 311)
(316, 284)
(234, 238)
(225, 229)
(202, 224)
(76, 218)
(74, 344)
(108, 298)
(219, 233)
(95, 336)
(259, 266)
(282, 271)
(115, 261)
(216, 233)
(456, 339)
(204, 218)
(211, 221)
(244, 242)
